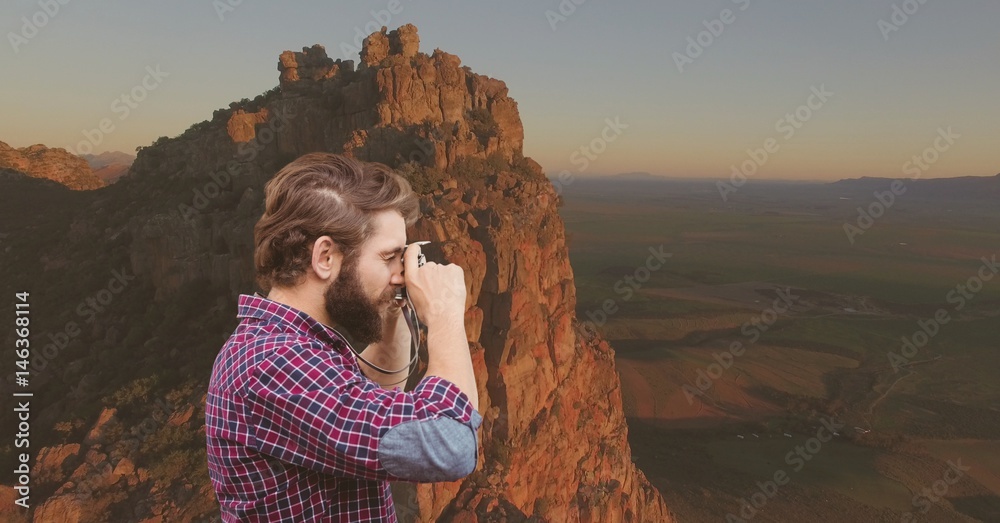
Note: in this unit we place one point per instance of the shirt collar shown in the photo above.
(259, 307)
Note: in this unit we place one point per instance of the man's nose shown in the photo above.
(397, 278)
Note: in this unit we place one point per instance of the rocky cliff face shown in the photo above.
(554, 443)
(54, 164)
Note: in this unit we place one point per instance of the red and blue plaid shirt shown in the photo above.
(294, 428)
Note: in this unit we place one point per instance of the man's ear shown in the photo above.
(327, 258)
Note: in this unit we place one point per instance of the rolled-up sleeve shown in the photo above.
(309, 407)
(431, 450)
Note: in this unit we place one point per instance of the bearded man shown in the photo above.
(300, 426)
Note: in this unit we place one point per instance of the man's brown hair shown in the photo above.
(323, 194)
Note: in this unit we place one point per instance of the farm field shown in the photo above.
(765, 326)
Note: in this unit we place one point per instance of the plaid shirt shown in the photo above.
(294, 428)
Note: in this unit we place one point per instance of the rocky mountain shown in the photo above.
(146, 272)
(109, 165)
(53, 164)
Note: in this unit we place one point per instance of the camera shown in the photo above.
(421, 260)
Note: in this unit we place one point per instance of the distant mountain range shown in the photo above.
(964, 187)
(640, 175)
(637, 175)
(108, 158)
(973, 188)
(110, 165)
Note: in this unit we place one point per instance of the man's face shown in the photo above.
(363, 290)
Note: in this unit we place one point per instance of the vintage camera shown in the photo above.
(421, 260)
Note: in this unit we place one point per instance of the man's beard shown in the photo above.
(349, 306)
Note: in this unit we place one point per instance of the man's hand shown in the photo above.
(437, 293)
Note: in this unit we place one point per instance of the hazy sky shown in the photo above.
(895, 86)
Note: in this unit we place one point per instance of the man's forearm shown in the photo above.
(392, 353)
(449, 357)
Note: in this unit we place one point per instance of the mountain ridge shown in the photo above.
(56, 164)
